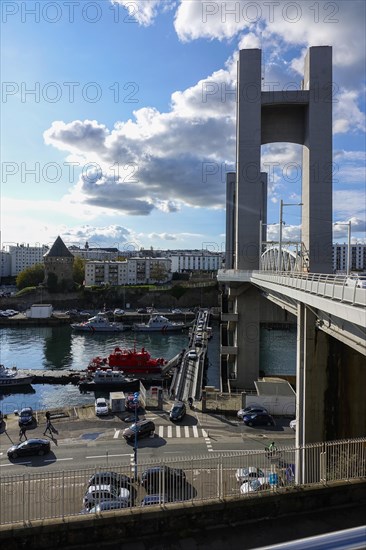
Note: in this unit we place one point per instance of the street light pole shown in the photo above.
(282, 204)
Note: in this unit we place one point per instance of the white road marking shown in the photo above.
(106, 455)
(178, 431)
(116, 433)
(16, 464)
(161, 431)
(186, 431)
(195, 431)
(170, 431)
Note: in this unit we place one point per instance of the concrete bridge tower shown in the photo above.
(301, 116)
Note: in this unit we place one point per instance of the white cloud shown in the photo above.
(143, 12)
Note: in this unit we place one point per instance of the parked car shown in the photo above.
(110, 478)
(259, 484)
(30, 447)
(150, 500)
(95, 494)
(251, 409)
(170, 480)
(143, 428)
(246, 474)
(118, 311)
(258, 419)
(177, 311)
(110, 505)
(26, 416)
(130, 403)
(357, 280)
(142, 310)
(101, 407)
(178, 411)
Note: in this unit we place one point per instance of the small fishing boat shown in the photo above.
(108, 380)
(10, 377)
(98, 323)
(158, 323)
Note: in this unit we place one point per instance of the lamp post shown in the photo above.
(282, 204)
(349, 225)
(136, 404)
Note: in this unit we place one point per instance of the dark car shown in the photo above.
(251, 409)
(143, 428)
(110, 478)
(25, 416)
(109, 505)
(258, 419)
(177, 411)
(30, 447)
(142, 310)
(150, 500)
(163, 478)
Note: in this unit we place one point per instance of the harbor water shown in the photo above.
(59, 348)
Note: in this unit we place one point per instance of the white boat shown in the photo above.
(158, 323)
(109, 379)
(11, 377)
(98, 323)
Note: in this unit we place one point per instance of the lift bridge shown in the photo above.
(189, 365)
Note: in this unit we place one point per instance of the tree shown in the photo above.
(32, 276)
(78, 272)
(158, 272)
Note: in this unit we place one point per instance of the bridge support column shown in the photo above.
(311, 385)
(247, 337)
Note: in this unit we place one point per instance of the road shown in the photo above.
(93, 441)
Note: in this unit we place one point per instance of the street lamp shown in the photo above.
(136, 404)
(348, 244)
(282, 204)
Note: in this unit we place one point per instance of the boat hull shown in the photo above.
(12, 382)
(127, 386)
(92, 330)
(146, 328)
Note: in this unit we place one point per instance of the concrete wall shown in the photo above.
(117, 529)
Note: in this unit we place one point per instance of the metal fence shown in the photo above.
(217, 476)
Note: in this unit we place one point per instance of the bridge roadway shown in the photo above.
(339, 306)
(188, 376)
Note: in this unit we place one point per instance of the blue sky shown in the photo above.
(118, 119)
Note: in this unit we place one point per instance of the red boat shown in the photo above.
(130, 361)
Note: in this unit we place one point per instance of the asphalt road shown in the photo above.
(94, 441)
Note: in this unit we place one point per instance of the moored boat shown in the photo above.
(98, 323)
(11, 377)
(158, 323)
(108, 380)
(130, 361)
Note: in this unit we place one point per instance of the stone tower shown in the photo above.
(59, 261)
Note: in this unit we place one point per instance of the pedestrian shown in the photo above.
(48, 428)
(48, 415)
(22, 432)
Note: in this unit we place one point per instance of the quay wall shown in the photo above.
(185, 522)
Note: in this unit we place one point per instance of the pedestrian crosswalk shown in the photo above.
(170, 432)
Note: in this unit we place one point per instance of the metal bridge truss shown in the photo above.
(294, 257)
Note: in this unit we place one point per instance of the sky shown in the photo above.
(118, 118)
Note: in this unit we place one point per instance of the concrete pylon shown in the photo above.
(297, 116)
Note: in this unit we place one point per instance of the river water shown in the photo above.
(60, 348)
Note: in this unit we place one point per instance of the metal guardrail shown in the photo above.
(333, 287)
(59, 494)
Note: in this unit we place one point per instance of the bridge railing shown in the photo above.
(196, 479)
(334, 287)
